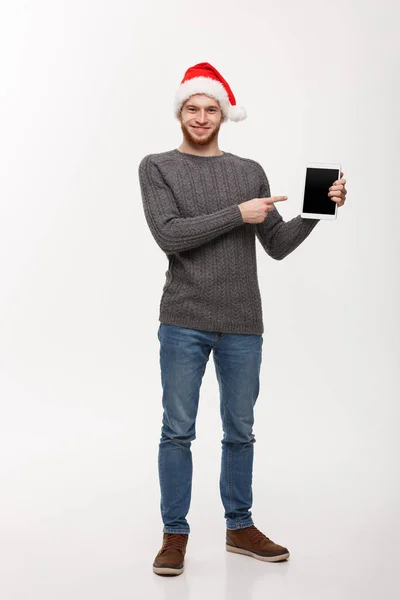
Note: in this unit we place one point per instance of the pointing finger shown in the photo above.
(276, 199)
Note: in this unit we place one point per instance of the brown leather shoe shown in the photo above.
(171, 557)
(252, 542)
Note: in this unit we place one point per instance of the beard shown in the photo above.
(201, 140)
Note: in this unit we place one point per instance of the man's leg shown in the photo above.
(184, 354)
(237, 359)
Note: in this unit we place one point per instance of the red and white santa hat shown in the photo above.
(203, 78)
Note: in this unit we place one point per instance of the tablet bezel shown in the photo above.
(314, 165)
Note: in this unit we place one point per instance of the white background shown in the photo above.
(86, 91)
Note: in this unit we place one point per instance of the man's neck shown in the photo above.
(208, 150)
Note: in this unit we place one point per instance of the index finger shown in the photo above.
(272, 199)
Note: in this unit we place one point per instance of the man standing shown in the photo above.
(205, 208)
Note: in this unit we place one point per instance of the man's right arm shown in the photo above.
(172, 232)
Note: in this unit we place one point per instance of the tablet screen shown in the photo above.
(316, 199)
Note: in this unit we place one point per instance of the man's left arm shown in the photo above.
(278, 237)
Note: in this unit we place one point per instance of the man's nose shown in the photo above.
(202, 116)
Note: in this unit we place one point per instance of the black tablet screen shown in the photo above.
(316, 199)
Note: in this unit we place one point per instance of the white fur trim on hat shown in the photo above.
(237, 113)
(210, 87)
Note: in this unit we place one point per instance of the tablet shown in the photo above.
(316, 202)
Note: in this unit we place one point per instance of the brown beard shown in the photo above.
(201, 141)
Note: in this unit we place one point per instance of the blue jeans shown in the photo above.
(184, 354)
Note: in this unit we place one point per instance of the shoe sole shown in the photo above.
(276, 558)
(167, 571)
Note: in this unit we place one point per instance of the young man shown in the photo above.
(205, 208)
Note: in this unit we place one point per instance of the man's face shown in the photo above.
(200, 119)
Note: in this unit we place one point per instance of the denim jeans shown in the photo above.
(184, 354)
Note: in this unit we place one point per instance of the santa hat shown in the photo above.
(203, 78)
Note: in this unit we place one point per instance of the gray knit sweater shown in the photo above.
(190, 204)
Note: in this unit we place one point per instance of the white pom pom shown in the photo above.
(237, 113)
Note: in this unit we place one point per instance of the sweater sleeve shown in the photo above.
(278, 237)
(172, 232)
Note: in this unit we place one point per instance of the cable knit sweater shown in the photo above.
(190, 204)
